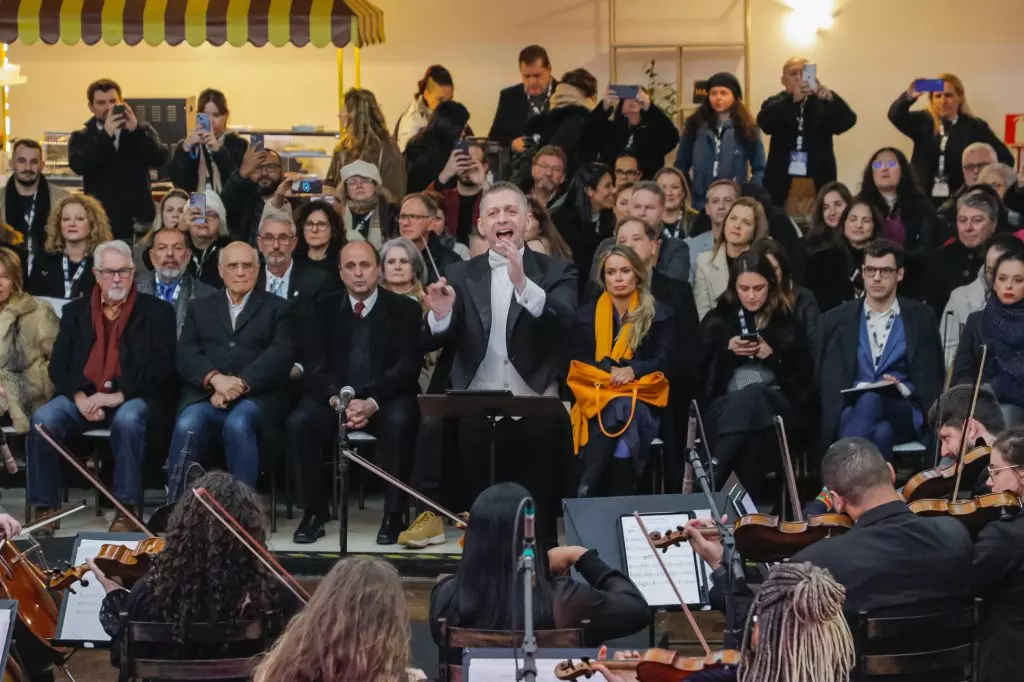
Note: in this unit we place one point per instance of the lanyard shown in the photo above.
(200, 262)
(174, 294)
(364, 222)
(800, 126)
(744, 329)
(718, 149)
(677, 227)
(30, 215)
(943, 142)
(538, 109)
(69, 282)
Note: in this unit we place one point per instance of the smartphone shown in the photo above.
(811, 76)
(929, 85)
(750, 337)
(256, 142)
(308, 186)
(203, 122)
(462, 146)
(198, 200)
(118, 110)
(625, 92)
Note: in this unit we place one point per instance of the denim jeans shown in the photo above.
(61, 418)
(238, 427)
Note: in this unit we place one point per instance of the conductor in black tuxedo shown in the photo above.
(234, 356)
(505, 321)
(367, 338)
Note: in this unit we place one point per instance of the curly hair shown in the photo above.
(365, 131)
(355, 628)
(203, 575)
(99, 224)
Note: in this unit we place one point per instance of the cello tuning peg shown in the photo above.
(85, 583)
(72, 590)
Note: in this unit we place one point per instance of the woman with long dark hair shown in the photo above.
(435, 87)
(756, 366)
(586, 217)
(721, 140)
(208, 157)
(832, 201)
(486, 592)
(321, 236)
(796, 299)
(908, 217)
(427, 154)
(365, 137)
(541, 233)
(833, 273)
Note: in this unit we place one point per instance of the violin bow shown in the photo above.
(970, 416)
(787, 467)
(250, 543)
(672, 583)
(94, 481)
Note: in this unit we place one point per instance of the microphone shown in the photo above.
(345, 396)
(691, 430)
(529, 518)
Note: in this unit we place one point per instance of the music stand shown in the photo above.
(491, 405)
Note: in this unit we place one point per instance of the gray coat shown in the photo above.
(191, 288)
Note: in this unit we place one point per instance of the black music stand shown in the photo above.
(491, 405)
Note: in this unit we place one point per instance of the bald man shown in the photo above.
(234, 356)
(367, 338)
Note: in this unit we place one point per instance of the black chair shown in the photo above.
(146, 647)
(927, 642)
(465, 638)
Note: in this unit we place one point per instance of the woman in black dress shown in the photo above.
(833, 273)
(63, 269)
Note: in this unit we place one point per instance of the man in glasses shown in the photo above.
(258, 186)
(880, 359)
(548, 173)
(112, 367)
(171, 281)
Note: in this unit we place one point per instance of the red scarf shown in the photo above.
(104, 361)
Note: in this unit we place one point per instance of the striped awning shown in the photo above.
(235, 22)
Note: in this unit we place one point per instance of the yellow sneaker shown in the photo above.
(427, 529)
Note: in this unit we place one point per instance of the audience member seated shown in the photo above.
(207, 237)
(366, 338)
(720, 140)
(971, 298)
(234, 358)
(563, 124)
(832, 200)
(585, 218)
(433, 155)
(438, 221)
(997, 574)
(112, 367)
(635, 127)
(940, 134)
(27, 199)
(755, 367)
(976, 157)
(781, 227)
(28, 329)
(251, 191)
(114, 153)
(518, 103)
(170, 214)
(209, 155)
(887, 345)
(541, 234)
(435, 87)
(623, 200)
(648, 206)
(292, 280)
(744, 223)
(958, 261)
(480, 594)
(64, 268)
(834, 272)
(796, 299)
(628, 335)
(368, 210)
(417, 211)
(462, 202)
(801, 120)
(627, 170)
(327, 642)
(890, 187)
(366, 138)
(1000, 327)
(547, 175)
(679, 213)
(321, 238)
(202, 576)
(403, 270)
(170, 280)
(707, 226)
(1003, 179)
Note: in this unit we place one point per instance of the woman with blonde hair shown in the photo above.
(355, 629)
(170, 214)
(77, 225)
(940, 134)
(364, 136)
(679, 213)
(745, 223)
(630, 336)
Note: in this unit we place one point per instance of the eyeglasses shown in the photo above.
(623, 173)
(277, 239)
(879, 165)
(317, 225)
(356, 181)
(548, 168)
(993, 470)
(885, 273)
(268, 167)
(240, 267)
(123, 273)
(402, 217)
(975, 167)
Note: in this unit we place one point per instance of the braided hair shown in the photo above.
(803, 636)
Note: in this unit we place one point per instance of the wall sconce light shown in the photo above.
(807, 18)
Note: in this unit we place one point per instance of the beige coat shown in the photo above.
(712, 280)
(28, 328)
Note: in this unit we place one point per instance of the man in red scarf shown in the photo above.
(112, 366)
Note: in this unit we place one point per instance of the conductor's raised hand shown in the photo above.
(440, 298)
(516, 273)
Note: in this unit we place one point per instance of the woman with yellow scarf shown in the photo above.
(624, 350)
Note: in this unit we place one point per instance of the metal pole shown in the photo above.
(359, 66)
(341, 79)
(746, 48)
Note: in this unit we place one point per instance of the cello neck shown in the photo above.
(967, 423)
(787, 467)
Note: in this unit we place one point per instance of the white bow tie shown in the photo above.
(496, 260)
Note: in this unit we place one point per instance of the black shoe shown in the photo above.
(310, 529)
(390, 528)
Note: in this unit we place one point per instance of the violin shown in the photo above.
(974, 513)
(654, 665)
(118, 561)
(940, 481)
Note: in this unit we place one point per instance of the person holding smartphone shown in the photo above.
(210, 153)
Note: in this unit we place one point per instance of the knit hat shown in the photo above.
(724, 79)
(215, 204)
(362, 169)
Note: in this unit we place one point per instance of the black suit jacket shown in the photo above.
(118, 177)
(395, 322)
(837, 358)
(998, 578)
(538, 347)
(146, 350)
(512, 113)
(306, 285)
(258, 350)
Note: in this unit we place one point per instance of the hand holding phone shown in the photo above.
(197, 206)
(256, 142)
(929, 85)
(810, 76)
(203, 122)
(750, 338)
(625, 92)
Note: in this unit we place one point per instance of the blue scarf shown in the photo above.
(1002, 328)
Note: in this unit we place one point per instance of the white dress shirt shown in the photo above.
(235, 310)
(280, 286)
(368, 303)
(880, 325)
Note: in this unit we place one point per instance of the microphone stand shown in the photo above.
(704, 442)
(342, 481)
(733, 635)
(528, 567)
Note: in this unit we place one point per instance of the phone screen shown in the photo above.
(198, 200)
(256, 142)
(203, 122)
(750, 337)
(929, 85)
(811, 75)
(118, 110)
(625, 91)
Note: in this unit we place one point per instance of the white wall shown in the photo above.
(875, 48)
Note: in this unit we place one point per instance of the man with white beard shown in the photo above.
(171, 281)
(112, 367)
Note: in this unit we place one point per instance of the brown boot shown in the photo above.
(122, 525)
(47, 530)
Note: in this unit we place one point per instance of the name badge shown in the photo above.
(798, 163)
(940, 190)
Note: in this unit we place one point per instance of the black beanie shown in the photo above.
(723, 79)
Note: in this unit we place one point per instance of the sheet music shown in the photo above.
(682, 562)
(504, 669)
(81, 610)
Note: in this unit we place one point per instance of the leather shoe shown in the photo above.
(310, 529)
(390, 528)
